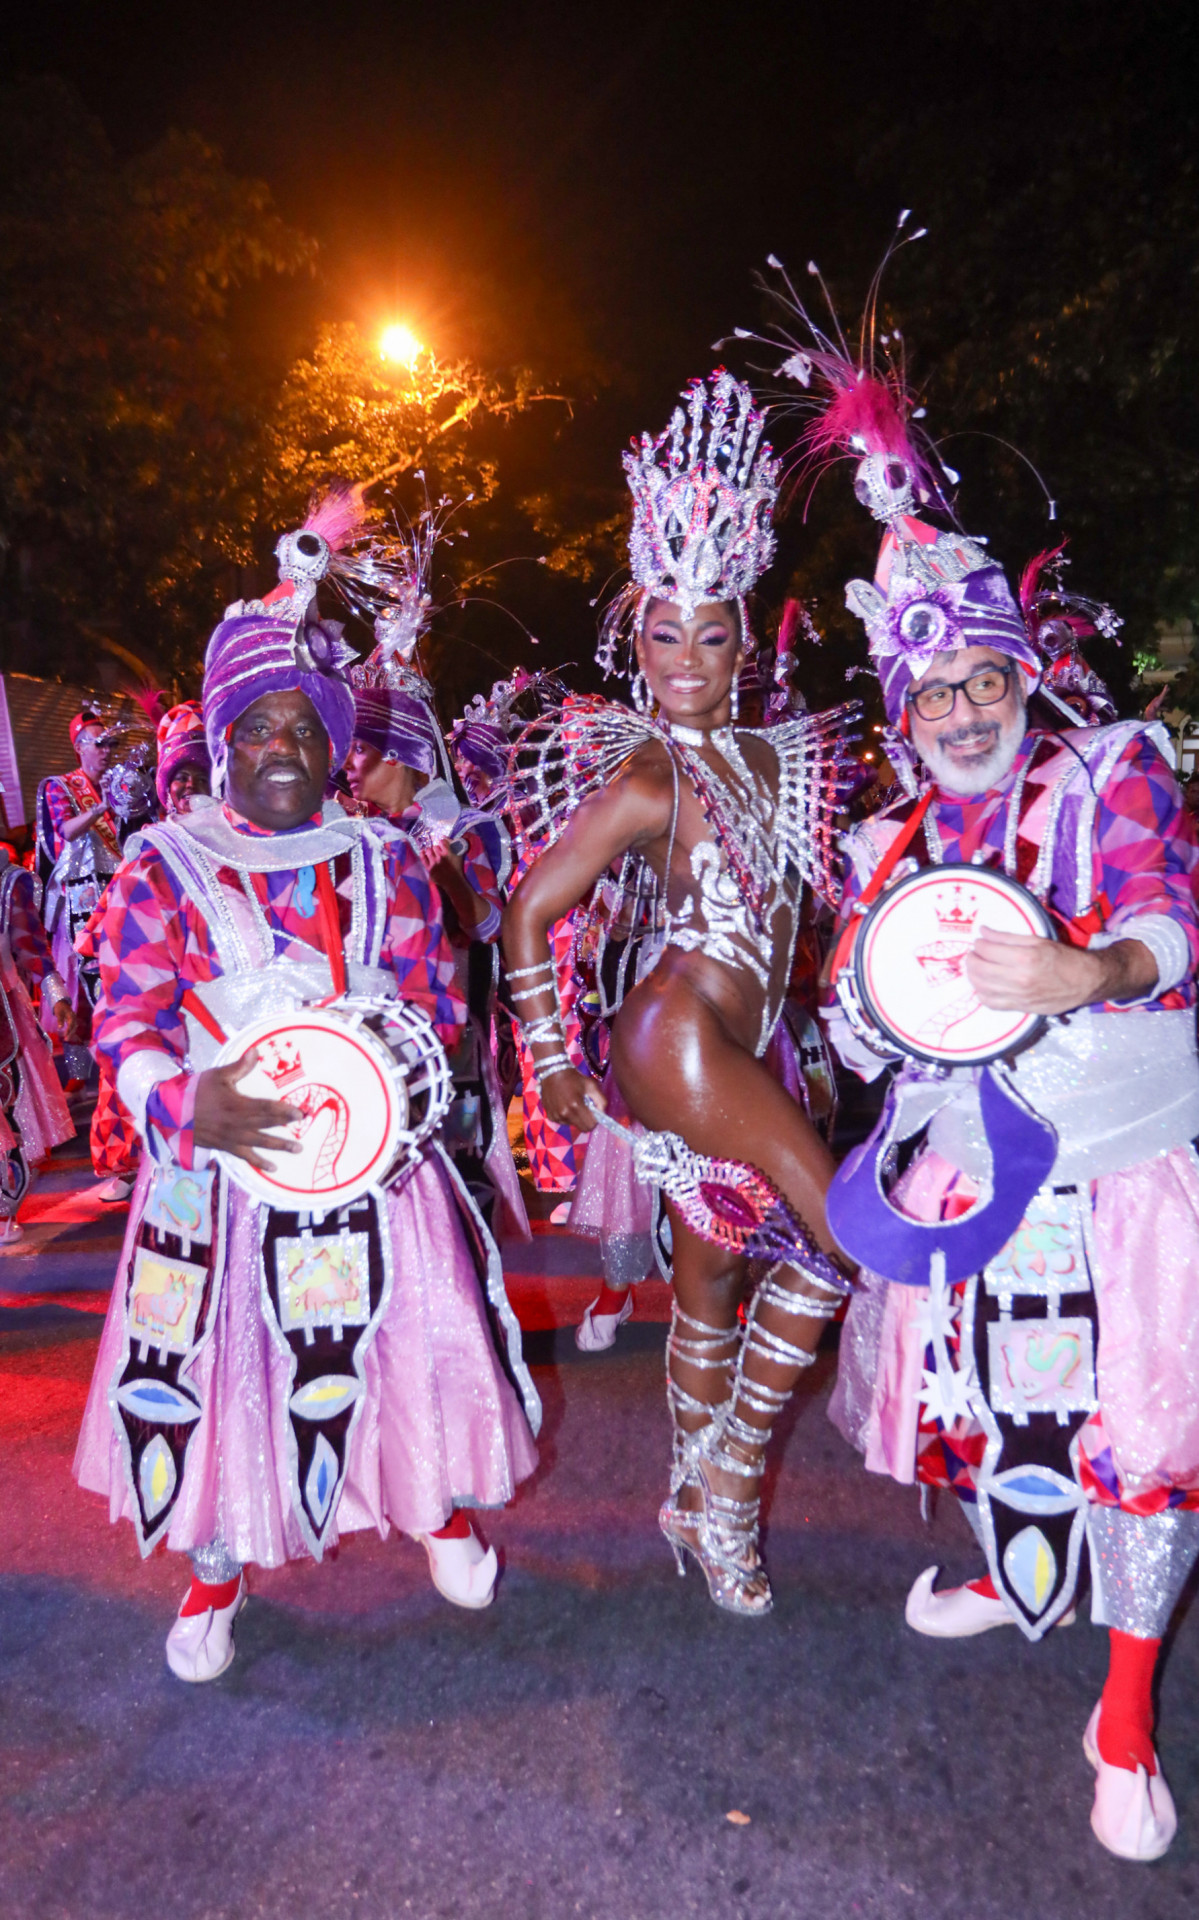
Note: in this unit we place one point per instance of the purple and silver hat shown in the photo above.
(181, 743)
(263, 648)
(398, 726)
(481, 744)
(935, 593)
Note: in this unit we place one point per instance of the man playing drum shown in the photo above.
(1027, 1329)
(269, 1377)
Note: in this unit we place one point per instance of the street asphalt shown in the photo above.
(602, 1742)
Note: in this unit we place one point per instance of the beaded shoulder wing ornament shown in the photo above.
(568, 754)
(481, 738)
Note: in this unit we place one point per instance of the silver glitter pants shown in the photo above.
(626, 1258)
(78, 1061)
(214, 1564)
(1140, 1564)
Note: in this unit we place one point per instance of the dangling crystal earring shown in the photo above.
(735, 697)
(639, 692)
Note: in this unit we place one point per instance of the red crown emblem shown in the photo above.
(280, 1061)
(957, 921)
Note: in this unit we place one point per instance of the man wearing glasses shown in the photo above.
(1099, 1461)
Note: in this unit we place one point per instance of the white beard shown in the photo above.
(969, 781)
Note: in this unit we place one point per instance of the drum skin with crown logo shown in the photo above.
(371, 1082)
(906, 976)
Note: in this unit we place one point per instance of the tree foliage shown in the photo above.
(1056, 300)
(152, 450)
(124, 403)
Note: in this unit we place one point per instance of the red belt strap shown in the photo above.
(199, 1012)
(877, 881)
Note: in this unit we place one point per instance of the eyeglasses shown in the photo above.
(982, 689)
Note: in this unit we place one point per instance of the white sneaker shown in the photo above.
(463, 1571)
(1133, 1815)
(117, 1188)
(200, 1645)
(958, 1612)
(597, 1331)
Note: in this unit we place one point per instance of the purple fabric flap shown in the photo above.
(873, 1232)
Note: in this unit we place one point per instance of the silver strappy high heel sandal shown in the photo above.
(725, 1543)
(707, 1349)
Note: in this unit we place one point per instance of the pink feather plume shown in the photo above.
(152, 701)
(1030, 579)
(788, 626)
(339, 514)
(865, 409)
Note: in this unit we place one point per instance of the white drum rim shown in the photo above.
(1027, 1026)
(306, 1199)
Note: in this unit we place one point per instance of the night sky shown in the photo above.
(583, 188)
(588, 190)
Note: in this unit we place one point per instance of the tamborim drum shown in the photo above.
(906, 976)
(371, 1082)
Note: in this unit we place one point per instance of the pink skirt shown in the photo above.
(440, 1426)
(1144, 1442)
(609, 1198)
(511, 1216)
(41, 1112)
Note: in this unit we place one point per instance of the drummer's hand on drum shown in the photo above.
(1044, 976)
(571, 1098)
(234, 1122)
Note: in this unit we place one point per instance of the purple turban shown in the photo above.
(481, 745)
(252, 653)
(398, 726)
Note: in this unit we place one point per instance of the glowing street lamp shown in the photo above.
(399, 343)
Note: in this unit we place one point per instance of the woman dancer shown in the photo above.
(716, 829)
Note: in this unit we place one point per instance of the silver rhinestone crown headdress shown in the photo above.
(703, 493)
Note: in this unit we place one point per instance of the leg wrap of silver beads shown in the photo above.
(696, 1348)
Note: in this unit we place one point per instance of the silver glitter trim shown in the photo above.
(1167, 943)
(1041, 879)
(1140, 1564)
(626, 1257)
(214, 1564)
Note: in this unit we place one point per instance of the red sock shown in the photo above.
(1126, 1716)
(611, 1299)
(200, 1597)
(985, 1586)
(459, 1528)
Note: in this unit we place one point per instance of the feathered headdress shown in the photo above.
(933, 592)
(280, 643)
(855, 402)
(703, 494)
(329, 544)
(1058, 623)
